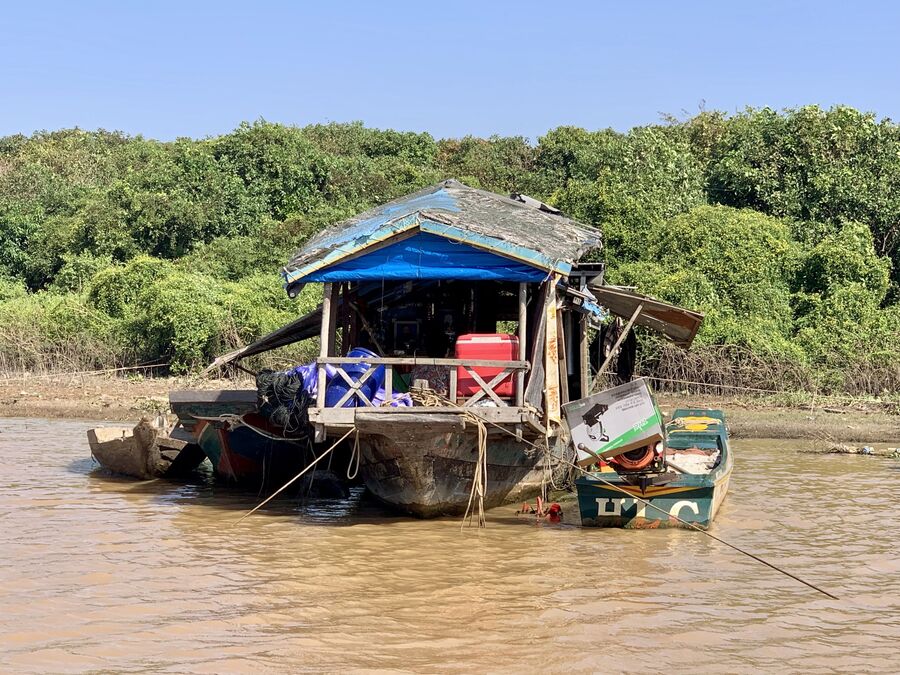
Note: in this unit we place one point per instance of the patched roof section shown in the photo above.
(519, 228)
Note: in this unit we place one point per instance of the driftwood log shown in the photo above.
(844, 449)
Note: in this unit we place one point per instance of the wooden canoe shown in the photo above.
(143, 451)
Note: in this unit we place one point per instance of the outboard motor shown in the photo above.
(647, 459)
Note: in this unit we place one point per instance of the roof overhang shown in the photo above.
(677, 324)
(416, 223)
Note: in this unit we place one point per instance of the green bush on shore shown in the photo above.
(781, 226)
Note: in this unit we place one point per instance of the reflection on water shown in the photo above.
(99, 573)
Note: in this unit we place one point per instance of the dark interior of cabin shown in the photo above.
(425, 318)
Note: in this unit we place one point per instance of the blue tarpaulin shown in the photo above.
(427, 256)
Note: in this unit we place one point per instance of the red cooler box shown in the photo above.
(489, 346)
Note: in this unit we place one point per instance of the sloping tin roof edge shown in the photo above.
(339, 253)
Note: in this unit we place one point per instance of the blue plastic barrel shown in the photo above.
(338, 386)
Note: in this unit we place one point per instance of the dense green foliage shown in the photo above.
(784, 227)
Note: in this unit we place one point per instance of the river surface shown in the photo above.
(104, 574)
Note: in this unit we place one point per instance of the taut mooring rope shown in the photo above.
(644, 501)
(284, 487)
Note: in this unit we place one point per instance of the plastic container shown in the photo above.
(488, 346)
(338, 386)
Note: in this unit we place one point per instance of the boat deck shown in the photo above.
(342, 419)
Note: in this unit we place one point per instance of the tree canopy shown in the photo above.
(784, 226)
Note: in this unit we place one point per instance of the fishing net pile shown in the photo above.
(284, 401)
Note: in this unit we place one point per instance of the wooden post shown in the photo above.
(561, 353)
(615, 348)
(346, 339)
(523, 322)
(583, 357)
(454, 384)
(324, 342)
(333, 319)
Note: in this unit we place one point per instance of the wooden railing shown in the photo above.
(509, 369)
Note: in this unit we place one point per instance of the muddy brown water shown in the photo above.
(104, 574)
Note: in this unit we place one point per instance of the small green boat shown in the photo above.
(685, 490)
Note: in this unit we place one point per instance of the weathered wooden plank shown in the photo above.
(487, 388)
(454, 384)
(346, 416)
(419, 361)
(523, 321)
(551, 358)
(323, 343)
(384, 424)
(200, 396)
(388, 382)
(563, 363)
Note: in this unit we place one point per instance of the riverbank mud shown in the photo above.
(112, 398)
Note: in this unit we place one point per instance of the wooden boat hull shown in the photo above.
(143, 452)
(693, 499)
(215, 420)
(425, 467)
(419, 464)
(240, 454)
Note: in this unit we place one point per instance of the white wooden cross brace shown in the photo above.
(487, 388)
(355, 387)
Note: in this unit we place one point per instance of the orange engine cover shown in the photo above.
(634, 460)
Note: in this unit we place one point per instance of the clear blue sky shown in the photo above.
(168, 69)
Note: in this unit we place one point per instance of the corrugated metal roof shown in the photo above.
(518, 228)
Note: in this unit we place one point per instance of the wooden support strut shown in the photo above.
(523, 321)
(354, 387)
(487, 388)
(324, 342)
(615, 348)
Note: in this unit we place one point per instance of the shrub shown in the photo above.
(115, 289)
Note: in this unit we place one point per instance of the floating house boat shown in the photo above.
(454, 324)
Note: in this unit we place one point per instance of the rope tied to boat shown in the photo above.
(295, 478)
(475, 506)
(354, 459)
(479, 481)
(688, 524)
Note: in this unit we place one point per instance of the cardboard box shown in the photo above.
(614, 421)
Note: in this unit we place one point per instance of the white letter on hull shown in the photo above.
(603, 508)
(677, 506)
